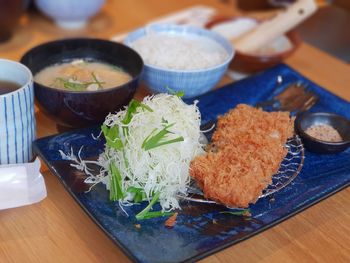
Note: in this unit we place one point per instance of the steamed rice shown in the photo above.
(179, 51)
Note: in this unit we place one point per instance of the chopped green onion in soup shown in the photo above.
(82, 75)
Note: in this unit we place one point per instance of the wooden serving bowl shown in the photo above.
(250, 63)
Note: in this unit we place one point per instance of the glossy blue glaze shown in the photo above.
(195, 235)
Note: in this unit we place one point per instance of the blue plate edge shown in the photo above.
(215, 250)
(219, 248)
(203, 254)
(55, 173)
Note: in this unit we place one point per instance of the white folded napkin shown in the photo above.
(21, 184)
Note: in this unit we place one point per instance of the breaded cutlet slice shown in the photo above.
(247, 148)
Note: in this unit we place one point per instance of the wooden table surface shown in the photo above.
(58, 230)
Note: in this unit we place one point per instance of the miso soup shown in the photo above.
(82, 75)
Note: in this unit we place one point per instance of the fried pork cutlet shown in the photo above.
(247, 149)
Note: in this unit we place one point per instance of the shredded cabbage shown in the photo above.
(151, 148)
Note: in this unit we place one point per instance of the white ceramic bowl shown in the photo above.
(70, 13)
(191, 82)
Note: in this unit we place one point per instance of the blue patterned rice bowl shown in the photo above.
(192, 82)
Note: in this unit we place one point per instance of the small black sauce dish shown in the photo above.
(84, 108)
(341, 124)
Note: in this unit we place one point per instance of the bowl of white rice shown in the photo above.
(181, 58)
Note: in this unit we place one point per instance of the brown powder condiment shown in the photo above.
(324, 132)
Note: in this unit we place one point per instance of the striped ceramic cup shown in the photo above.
(17, 121)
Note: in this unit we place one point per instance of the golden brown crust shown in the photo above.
(246, 151)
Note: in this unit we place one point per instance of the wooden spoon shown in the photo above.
(269, 30)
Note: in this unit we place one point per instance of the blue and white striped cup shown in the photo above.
(17, 121)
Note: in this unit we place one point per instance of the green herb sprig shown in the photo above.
(154, 140)
(243, 212)
(146, 214)
(76, 86)
(116, 189)
(139, 194)
(132, 109)
(179, 94)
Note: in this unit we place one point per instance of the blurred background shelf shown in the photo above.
(329, 29)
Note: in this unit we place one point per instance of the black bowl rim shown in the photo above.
(84, 39)
(313, 139)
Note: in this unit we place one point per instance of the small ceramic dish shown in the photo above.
(251, 63)
(341, 124)
(70, 14)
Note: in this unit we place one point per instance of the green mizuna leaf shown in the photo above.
(179, 94)
(116, 190)
(155, 214)
(139, 194)
(112, 136)
(146, 214)
(132, 108)
(155, 140)
(244, 212)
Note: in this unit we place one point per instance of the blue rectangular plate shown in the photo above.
(201, 229)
